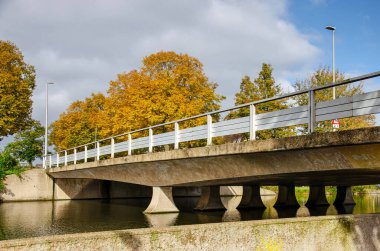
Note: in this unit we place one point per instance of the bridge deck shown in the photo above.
(336, 158)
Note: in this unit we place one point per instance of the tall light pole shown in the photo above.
(332, 28)
(46, 124)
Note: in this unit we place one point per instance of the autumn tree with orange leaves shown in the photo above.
(78, 125)
(168, 86)
(17, 81)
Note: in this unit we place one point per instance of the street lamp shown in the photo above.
(46, 124)
(332, 28)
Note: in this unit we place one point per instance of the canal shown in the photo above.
(41, 218)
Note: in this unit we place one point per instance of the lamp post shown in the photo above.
(332, 28)
(46, 124)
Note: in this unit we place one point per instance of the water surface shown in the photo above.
(30, 219)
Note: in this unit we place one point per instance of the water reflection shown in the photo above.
(28, 219)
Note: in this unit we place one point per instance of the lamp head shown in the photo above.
(331, 28)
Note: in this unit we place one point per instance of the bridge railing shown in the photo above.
(310, 114)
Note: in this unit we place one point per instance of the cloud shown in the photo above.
(82, 45)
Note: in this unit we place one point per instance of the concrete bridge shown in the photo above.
(342, 158)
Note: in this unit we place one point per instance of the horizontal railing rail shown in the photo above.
(360, 104)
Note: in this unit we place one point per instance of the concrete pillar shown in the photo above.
(162, 201)
(210, 199)
(344, 196)
(251, 198)
(317, 197)
(286, 197)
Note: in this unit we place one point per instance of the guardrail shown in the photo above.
(361, 104)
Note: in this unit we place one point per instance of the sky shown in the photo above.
(82, 45)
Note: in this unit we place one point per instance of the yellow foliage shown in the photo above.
(78, 124)
(17, 81)
(168, 86)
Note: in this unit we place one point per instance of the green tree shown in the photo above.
(7, 161)
(323, 76)
(17, 81)
(264, 86)
(28, 144)
(8, 165)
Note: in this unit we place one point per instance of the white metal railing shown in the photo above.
(361, 104)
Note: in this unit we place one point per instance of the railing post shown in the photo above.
(129, 144)
(176, 135)
(209, 130)
(50, 161)
(57, 159)
(112, 148)
(75, 156)
(98, 150)
(311, 111)
(150, 140)
(65, 158)
(252, 122)
(85, 154)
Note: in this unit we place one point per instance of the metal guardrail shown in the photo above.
(361, 104)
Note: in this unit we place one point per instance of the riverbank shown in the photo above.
(348, 232)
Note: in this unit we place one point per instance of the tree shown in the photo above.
(8, 165)
(323, 76)
(17, 81)
(7, 162)
(79, 124)
(263, 87)
(167, 87)
(28, 144)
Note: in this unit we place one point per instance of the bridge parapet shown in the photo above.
(310, 114)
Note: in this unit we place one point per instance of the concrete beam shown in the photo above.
(344, 196)
(286, 197)
(210, 199)
(162, 201)
(318, 159)
(251, 198)
(317, 197)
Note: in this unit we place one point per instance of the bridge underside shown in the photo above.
(338, 158)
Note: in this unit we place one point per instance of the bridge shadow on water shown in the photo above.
(29, 219)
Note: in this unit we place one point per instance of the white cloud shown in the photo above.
(82, 45)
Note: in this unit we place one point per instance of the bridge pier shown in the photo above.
(251, 198)
(162, 201)
(344, 196)
(317, 197)
(286, 197)
(210, 199)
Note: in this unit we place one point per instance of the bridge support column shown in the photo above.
(286, 197)
(251, 198)
(317, 197)
(210, 199)
(344, 196)
(162, 201)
